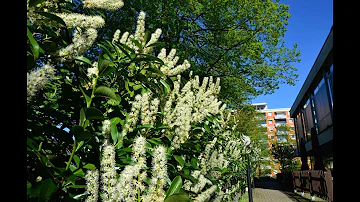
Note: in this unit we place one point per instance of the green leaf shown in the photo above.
(107, 51)
(82, 117)
(52, 17)
(166, 87)
(190, 177)
(28, 190)
(48, 188)
(180, 160)
(87, 98)
(105, 92)
(194, 163)
(34, 43)
(175, 186)
(89, 166)
(114, 132)
(152, 58)
(207, 128)
(79, 145)
(93, 113)
(181, 197)
(77, 160)
(83, 59)
(155, 141)
(103, 66)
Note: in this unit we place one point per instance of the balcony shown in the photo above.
(280, 124)
(280, 116)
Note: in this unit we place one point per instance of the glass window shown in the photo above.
(292, 136)
(270, 121)
(290, 120)
(292, 128)
(269, 113)
(271, 129)
(272, 137)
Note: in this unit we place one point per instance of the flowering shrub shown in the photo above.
(131, 126)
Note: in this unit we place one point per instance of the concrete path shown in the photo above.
(271, 191)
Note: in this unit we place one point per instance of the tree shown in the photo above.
(240, 41)
(283, 150)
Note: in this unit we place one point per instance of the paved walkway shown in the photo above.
(271, 191)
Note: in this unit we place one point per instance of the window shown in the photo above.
(272, 137)
(292, 136)
(269, 113)
(270, 121)
(271, 129)
(290, 120)
(292, 128)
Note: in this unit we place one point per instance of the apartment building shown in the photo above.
(275, 120)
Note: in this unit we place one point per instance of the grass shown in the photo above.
(244, 197)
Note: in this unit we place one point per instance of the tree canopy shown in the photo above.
(241, 41)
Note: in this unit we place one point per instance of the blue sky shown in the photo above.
(309, 25)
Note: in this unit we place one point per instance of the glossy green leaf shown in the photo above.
(53, 17)
(77, 160)
(166, 87)
(34, 43)
(105, 92)
(114, 132)
(175, 186)
(82, 117)
(194, 163)
(89, 166)
(81, 143)
(103, 66)
(180, 160)
(48, 188)
(93, 113)
(83, 59)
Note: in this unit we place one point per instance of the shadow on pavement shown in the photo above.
(273, 184)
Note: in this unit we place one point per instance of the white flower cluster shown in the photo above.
(93, 71)
(230, 193)
(139, 36)
(170, 61)
(129, 186)
(204, 157)
(159, 173)
(106, 128)
(73, 20)
(106, 4)
(133, 115)
(217, 160)
(92, 182)
(131, 178)
(148, 110)
(37, 79)
(193, 104)
(233, 150)
(82, 41)
(108, 175)
(143, 107)
(202, 182)
(205, 196)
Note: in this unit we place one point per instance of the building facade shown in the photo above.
(312, 109)
(279, 127)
